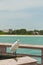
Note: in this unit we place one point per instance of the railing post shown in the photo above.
(5, 49)
(41, 56)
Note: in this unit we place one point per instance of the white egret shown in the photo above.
(14, 47)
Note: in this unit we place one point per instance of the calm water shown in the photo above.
(36, 40)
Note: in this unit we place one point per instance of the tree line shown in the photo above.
(22, 32)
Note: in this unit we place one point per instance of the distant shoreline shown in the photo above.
(24, 35)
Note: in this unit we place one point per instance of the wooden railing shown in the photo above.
(27, 46)
(37, 47)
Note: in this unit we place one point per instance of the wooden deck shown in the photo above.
(19, 61)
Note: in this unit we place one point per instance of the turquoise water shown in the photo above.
(23, 39)
(36, 40)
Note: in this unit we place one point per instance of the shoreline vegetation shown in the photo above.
(20, 32)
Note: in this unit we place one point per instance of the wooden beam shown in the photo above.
(42, 57)
(28, 46)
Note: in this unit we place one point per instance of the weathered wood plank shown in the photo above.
(23, 46)
(28, 46)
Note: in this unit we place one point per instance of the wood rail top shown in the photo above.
(23, 46)
(28, 46)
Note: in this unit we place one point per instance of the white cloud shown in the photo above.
(28, 13)
(15, 15)
(19, 4)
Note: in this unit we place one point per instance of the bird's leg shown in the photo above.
(15, 55)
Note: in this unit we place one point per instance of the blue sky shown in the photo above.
(17, 14)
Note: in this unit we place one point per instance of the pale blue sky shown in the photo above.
(17, 14)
